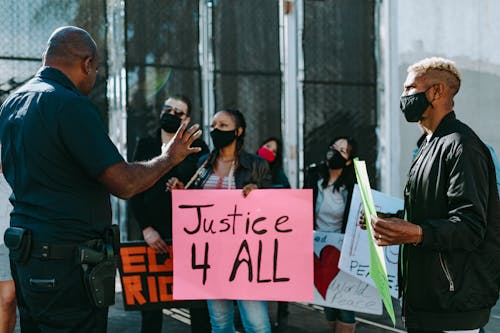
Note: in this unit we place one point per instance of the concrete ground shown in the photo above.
(303, 318)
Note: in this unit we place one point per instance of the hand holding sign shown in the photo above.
(174, 184)
(154, 240)
(395, 231)
(249, 188)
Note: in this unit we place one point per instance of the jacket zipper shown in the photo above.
(403, 271)
(446, 271)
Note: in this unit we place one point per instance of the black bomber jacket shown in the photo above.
(450, 280)
(251, 169)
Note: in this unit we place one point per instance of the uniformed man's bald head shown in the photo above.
(73, 51)
(68, 45)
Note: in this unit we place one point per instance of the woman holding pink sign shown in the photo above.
(228, 166)
(332, 182)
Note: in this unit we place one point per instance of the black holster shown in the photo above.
(99, 281)
(18, 240)
(99, 266)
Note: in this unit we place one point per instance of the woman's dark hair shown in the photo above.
(239, 119)
(348, 175)
(185, 100)
(278, 161)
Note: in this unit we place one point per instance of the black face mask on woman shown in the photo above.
(335, 160)
(414, 106)
(222, 139)
(169, 123)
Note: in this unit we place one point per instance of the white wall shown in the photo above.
(468, 32)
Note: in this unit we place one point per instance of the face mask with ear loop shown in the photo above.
(335, 160)
(414, 106)
(170, 123)
(266, 154)
(222, 139)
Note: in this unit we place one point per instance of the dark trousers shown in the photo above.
(282, 314)
(52, 298)
(200, 321)
(412, 330)
(151, 321)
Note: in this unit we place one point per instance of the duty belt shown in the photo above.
(45, 250)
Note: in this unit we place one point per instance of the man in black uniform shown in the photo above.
(62, 166)
(153, 207)
(451, 233)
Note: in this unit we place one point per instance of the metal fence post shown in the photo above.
(117, 96)
(292, 105)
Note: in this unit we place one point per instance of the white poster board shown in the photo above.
(334, 288)
(355, 258)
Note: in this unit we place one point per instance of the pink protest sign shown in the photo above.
(254, 248)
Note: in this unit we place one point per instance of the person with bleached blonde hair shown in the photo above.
(450, 234)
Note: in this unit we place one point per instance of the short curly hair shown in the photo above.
(441, 68)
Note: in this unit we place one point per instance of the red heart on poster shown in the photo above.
(326, 268)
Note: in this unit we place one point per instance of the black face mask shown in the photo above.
(169, 123)
(335, 160)
(414, 106)
(222, 139)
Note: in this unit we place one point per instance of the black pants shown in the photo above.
(60, 306)
(412, 330)
(200, 321)
(282, 313)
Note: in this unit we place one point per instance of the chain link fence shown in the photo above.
(26, 26)
(162, 60)
(340, 77)
(247, 65)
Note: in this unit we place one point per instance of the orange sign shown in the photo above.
(147, 277)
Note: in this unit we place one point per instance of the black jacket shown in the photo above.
(251, 169)
(314, 174)
(450, 280)
(153, 207)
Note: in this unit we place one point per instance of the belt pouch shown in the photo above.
(18, 240)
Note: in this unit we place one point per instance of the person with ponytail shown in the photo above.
(228, 166)
(332, 182)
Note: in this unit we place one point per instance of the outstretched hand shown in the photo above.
(179, 147)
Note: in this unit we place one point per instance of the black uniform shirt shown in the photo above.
(54, 146)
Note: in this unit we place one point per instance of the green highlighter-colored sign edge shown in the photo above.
(378, 271)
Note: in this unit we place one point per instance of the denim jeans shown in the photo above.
(345, 316)
(253, 314)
